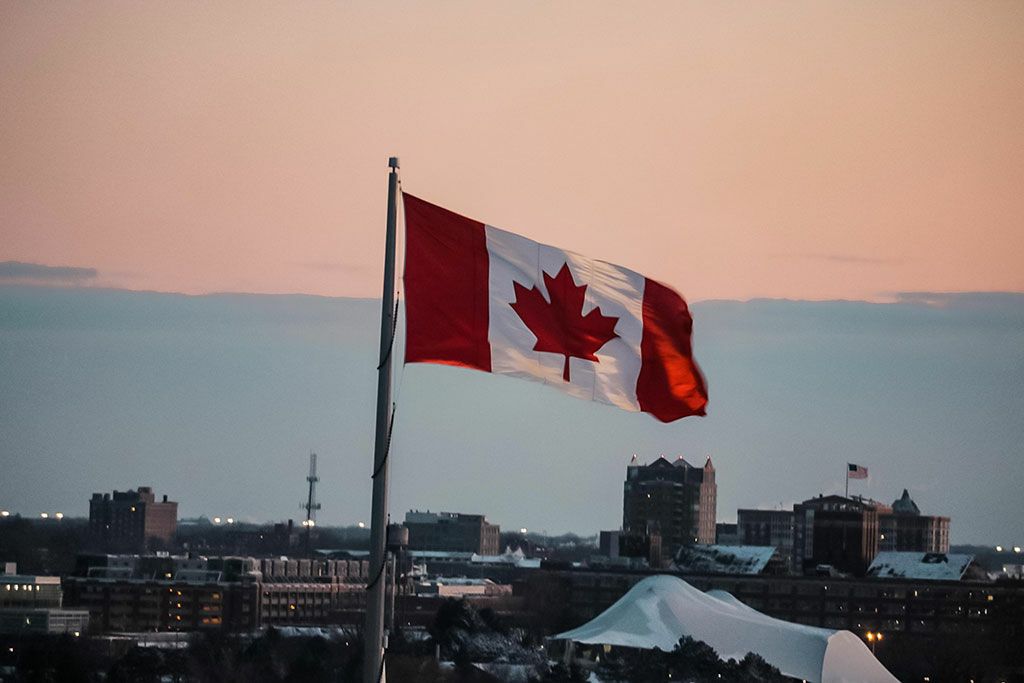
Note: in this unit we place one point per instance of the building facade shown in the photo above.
(131, 520)
(132, 593)
(766, 527)
(835, 532)
(905, 529)
(452, 532)
(34, 604)
(677, 500)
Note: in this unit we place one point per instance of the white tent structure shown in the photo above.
(661, 609)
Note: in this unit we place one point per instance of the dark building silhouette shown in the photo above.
(452, 532)
(677, 500)
(839, 532)
(766, 527)
(727, 534)
(617, 544)
(131, 520)
(189, 593)
(904, 528)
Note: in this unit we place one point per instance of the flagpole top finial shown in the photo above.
(392, 162)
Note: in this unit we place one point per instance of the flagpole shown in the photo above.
(847, 480)
(374, 644)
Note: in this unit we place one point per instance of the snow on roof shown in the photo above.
(923, 566)
(661, 609)
(724, 559)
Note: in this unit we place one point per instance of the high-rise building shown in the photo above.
(839, 532)
(131, 520)
(904, 528)
(676, 499)
(452, 532)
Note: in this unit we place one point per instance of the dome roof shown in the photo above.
(905, 505)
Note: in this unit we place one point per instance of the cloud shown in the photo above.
(19, 271)
(961, 299)
(848, 258)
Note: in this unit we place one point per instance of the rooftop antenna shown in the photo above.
(311, 506)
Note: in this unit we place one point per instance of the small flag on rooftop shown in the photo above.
(856, 471)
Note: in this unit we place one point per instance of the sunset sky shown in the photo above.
(813, 151)
(810, 150)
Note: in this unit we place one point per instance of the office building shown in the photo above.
(905, 529)
(452, 532)
(34, 604)
(675, 499)
(169, 593)
(766, 527)
(834, 533)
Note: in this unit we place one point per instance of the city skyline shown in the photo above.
(216, 401)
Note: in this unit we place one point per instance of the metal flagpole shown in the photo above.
(847, 480)
(374, 644)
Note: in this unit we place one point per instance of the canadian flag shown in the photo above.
(483, 298)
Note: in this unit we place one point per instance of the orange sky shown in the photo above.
(808, 150)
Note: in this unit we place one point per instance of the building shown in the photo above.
(835, 532)
(909, 611)
(34, 604)
(905, 529)
(766, 527)
(676, 499)
(727, 534)
(180, 593)
(452, 532)
(620, 544)
(131, 520)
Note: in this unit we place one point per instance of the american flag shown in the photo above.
(856, 471)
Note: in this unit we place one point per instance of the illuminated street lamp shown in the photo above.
(44, 515)
(999, 548)
(1016, 549)
(5, 513)
(873, 638)
(231, 520)
(216, 520)
(361, 525)
(523, 530)
(59, 515)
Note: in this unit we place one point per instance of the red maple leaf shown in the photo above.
(560, 326)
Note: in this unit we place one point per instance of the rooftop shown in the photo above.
(724, 559)
(921, 566)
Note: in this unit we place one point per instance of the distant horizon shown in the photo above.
(879, 298)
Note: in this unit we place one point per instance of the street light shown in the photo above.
(523, 530)
(59, 515)
(216, 520)
(44, 515)
(1016, 548)
(5, 513)
(999, 548)
(231, 520)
